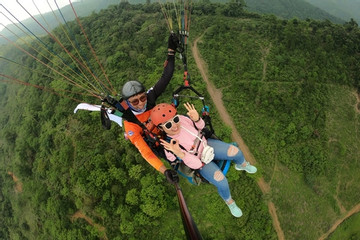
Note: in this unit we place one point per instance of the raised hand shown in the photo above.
(192, 113)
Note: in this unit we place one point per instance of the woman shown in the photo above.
(197, 152)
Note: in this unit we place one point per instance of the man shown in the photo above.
(140, 103)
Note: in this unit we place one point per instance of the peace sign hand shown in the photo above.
(192, 113)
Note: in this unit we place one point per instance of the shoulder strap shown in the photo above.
(168, 139)
(129, 116)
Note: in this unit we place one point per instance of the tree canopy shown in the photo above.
(288, 84)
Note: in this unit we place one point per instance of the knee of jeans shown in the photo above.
(218, 176)
(232, 151)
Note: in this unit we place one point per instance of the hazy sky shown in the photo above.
(30, 5)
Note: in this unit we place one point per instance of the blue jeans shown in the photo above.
(212, 172)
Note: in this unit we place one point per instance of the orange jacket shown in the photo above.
(135, 134)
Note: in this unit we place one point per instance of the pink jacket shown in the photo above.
(186, 139)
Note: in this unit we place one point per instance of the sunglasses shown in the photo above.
(136, 101)
(168, 125)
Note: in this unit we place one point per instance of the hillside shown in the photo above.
(288, 90)
(344, 9)
(290, 87)
(50, 20)
(288, 9)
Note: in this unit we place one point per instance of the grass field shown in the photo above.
(343, 128)
(306, 208)
(308, 211)
(305, 213)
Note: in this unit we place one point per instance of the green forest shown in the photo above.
(292, 88)
(288, 9)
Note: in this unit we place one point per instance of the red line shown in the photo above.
(72, 56)
(53, 91)
(92, 50)
(71, 81)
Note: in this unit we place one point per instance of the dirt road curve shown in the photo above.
(216, 96)
(354, 210)
(357, 105)
(80, 214)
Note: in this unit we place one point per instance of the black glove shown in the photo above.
(111, 100)
(173, 41)
(171, 176)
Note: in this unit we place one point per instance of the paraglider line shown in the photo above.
(47, 47)
(91, 48)
(48, 66)
(89, 70)
(61, 45)
(76, 42)
(36, 86)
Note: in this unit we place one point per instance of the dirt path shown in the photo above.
(341, 207)
(354, 210)
(216, 96)
(18, 184)
(265, 52)
(80, 214)
(357, 105)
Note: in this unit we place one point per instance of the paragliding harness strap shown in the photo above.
(105, 120)
(126, 113)
(192, 175)
(186, 78)
(204, 111)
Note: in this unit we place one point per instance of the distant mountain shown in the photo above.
(344, 9)
(83, 8)
(288, 9)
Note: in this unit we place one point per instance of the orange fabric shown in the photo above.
(134, 134)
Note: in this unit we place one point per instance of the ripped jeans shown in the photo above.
(211, 172)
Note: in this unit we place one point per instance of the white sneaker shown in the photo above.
(235, 210)
(248, 167)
